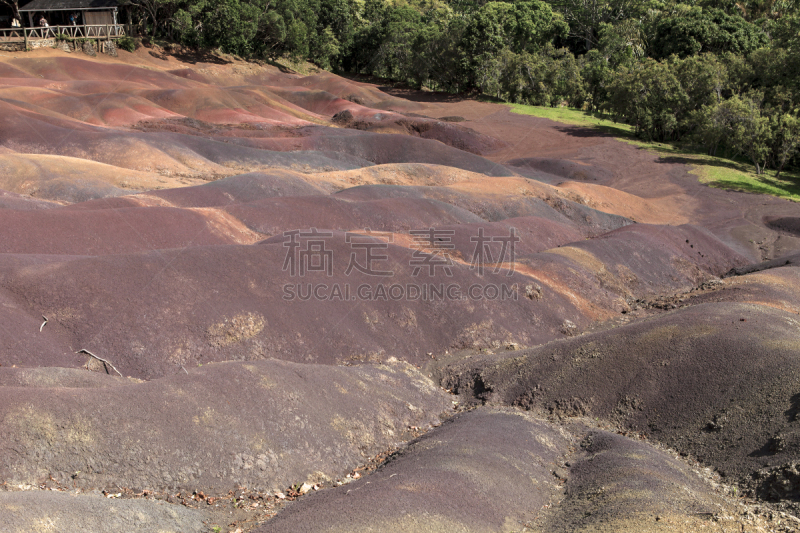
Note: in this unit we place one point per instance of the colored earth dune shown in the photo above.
(236, 298)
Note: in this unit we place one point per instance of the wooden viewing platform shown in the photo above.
(85, 31)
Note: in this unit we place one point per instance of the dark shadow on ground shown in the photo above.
(414, 94)
(284, 69)
(591, 131)
(199, 56)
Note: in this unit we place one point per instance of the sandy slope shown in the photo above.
(145, 204)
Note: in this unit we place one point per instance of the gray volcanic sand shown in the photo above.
(264, 425)
(494, 470)
(714, 380)
(25, 512)
(480, 471)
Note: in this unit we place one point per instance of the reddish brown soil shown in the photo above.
(146, 201)
(565, 154)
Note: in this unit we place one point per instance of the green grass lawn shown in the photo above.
(714, 171)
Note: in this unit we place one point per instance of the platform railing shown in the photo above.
(84, 31)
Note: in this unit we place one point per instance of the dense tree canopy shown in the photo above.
(721, 74)
(698, 30)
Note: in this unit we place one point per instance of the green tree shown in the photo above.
(712, 127)
(749, 131)
(336, 27)
(698, 30)
(785, 31)
(597, 74)
(775, 72)
(646, 96)
(152, 10)
(328, 48)
(785, 139)
(587, 17)
(437, 59)
(401, 27)
(622, 43)
(759, 9)
(519, 27)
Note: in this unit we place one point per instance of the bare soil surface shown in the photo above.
(713, 379)
(237, 298)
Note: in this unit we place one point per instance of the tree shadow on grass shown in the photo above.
(589, 129)
(688, 160)
(744, 179)
(762, 185)
(592, 130)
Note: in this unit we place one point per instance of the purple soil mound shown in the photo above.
(19, 334)
(275, 215)
(498, 206)
(359, 93)
(10, 200)
(775, 287)
(535, 235)
(229, 154)
(189, 74)
(642, 260)
(591, 221)
(321, 102)
(50, 377)
(69, 191)
(711, 380)
(381, 149)
(280, 356)
(106, 231)
(790, 260)
(151, 312)
(480, 471)
(453, 135)
(240, 189)
(118, 202)
(71, 68)
(564, 169)
(265, 425)
(27, 132)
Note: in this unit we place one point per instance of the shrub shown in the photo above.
(126, 43)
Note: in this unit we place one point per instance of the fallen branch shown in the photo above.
(43, 323)
(87, 352)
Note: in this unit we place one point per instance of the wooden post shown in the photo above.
(25, 34)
